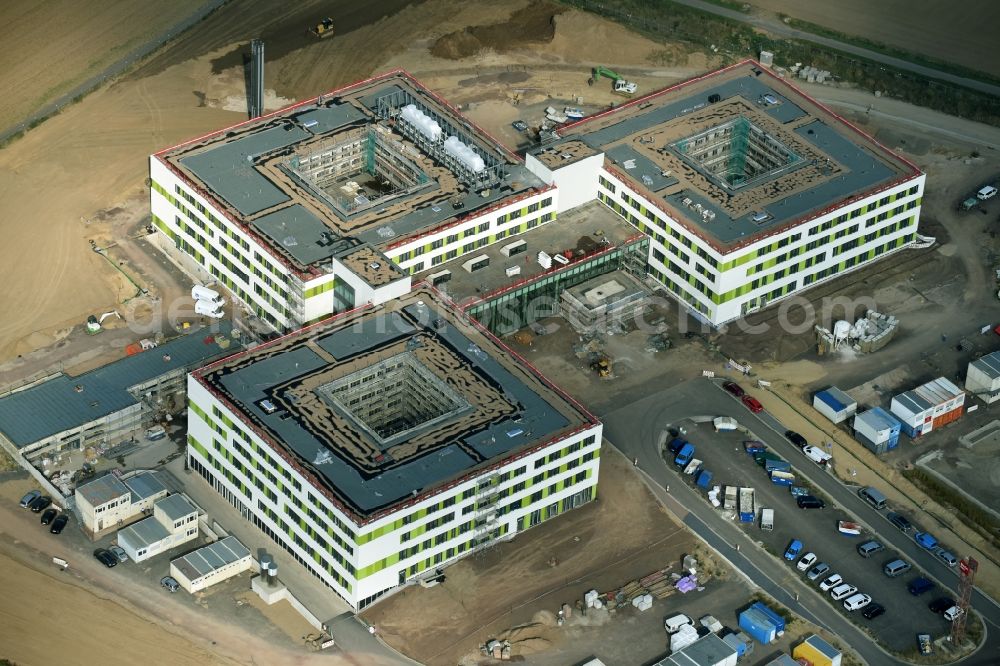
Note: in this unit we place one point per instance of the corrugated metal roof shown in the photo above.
(913, 402)
(103, 490)
(822, 646)
(201, 562)
(988, 365)
(878, 419)
(65, 402)
(143, 534)
(708, 650)
(841, 398)
(144, 485)
(175, 507)
(782, 660)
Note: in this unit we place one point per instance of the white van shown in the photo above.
(987, 192)
(208, 309)
(674, 624)
(200, 293)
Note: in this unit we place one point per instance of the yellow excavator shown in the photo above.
(602, 366)
(323, 29)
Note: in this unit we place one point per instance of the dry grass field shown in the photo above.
(961, 32)
(49, 47)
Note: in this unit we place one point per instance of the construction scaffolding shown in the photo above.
(736, 153)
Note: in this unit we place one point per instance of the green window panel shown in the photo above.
(199, 447)
(319, 289)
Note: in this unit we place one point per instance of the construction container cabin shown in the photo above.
(929, 406)
(834, 404)
(817, 652)
(982, 378)
(877, 429)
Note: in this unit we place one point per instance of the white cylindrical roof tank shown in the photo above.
(841, 330)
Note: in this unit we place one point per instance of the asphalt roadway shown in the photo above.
(776, 27)
(637, 430)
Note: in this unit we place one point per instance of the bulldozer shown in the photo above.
(619, 85)
(601, 364)
(323, 29)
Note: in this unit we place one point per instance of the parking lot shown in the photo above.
(723, 454)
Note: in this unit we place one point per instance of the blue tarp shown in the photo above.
(835, 404)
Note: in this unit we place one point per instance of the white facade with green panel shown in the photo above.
(362, 561)
(722, 287)
(474, 233)
(217, 249)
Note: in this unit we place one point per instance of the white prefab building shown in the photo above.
(104, 502)
(211, 564)
(388, 443)
(834, 404)
(709, 650)
(174, 522)
(929, 406)
(112, 501)
(982, 379)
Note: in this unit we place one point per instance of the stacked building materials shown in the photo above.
(877, 429)
(834, 404)
(929, 406)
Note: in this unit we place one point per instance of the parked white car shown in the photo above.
(842, 591)
(856, 601)
(807, 561)
(831, 582)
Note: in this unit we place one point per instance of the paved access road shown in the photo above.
(724, 455)
(776, 27)
(637, 430)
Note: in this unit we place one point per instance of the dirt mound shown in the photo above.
(530, 25)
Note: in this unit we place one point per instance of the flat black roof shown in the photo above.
(289, 371)
(243, 167)
(638, 139)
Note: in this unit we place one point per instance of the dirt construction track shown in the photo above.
(624, 535)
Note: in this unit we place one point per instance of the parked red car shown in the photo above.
(734, 388)
(752, 404)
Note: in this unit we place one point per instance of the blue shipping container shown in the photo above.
(776, 465)
(779, 622)
(780, 478)
(877, 449)
(758, 626)
(704, 478)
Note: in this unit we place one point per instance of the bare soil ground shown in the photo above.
(624, 535)
(49, 47)
(960, 32)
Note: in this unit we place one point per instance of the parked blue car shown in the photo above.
(794, 548)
